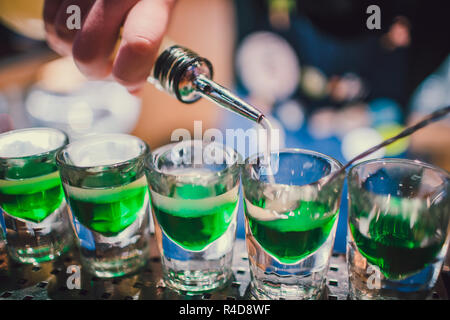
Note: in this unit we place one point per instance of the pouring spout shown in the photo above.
(226, 99)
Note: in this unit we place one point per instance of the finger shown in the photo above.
(64, 30)
(95, 42)
(143, 31)
(50, 11)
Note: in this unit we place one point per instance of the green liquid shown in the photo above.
(195, 218)
(291, 239)
(108, 211)
(395, 247)
(32, 199)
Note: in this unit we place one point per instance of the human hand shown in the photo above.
(92, 46)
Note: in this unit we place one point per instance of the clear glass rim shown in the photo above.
(417, 163)
(145, 149)
(41, 154)
(329, 159)
(157, 153)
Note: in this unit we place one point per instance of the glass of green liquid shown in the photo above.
(105, 186)
(194, 193)
(290, 221)
(398, 228)
(34, 212)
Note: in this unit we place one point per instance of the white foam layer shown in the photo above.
(85, 194)
(174, 205)
(28, 181)
(22, 186)
(29, 142)
(261, 214)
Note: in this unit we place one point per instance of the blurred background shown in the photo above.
(328, 82)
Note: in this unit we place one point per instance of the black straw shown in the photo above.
(435, 116)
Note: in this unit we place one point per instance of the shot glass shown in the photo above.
(398, 228)
(194, 192)
(105, 186)
(34, 212)
(290, 222)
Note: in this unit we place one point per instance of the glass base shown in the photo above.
(197, 276)
(356, 294)
(33, 243)
(197, 271)
(123, 254)
(302, 280)
(267, 290)
(39, 255)
(116, 268)
(366, 282)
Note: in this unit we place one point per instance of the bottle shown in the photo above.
(178, 71)
(187, 76)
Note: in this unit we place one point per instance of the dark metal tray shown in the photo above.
(49, 281)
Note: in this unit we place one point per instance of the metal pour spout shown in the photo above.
(226, 99)
(187, 76)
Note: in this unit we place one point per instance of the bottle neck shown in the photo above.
(175, 71)
(187, 76)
